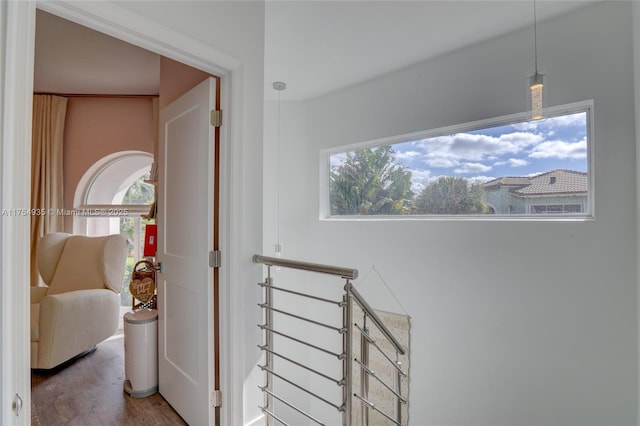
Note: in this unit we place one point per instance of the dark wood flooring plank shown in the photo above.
(89, 391)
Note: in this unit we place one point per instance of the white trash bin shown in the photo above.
(141, 352)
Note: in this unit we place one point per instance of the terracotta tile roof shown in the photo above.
(508, 181)
(560, 181)
(556, 182)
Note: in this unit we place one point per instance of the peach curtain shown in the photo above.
(49, 114)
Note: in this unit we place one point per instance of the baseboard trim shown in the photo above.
(257, 421)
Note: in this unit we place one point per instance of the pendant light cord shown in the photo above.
(279, 86)
(535, 36)
(278, 177)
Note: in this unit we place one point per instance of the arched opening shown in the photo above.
(113, 197)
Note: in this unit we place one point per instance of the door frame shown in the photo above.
(15, 170)
(17, 47)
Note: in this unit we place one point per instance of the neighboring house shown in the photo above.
(555, 192)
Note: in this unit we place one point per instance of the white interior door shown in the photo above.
(186, 174)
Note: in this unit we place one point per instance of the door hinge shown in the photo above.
(17, 405)
(216, 117)
(216, 398)
(215, 259)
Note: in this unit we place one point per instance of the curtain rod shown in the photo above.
(88, 95)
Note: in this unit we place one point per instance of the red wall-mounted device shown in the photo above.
(150, 240)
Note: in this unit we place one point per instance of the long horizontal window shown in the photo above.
(502, 167)
(557, 209)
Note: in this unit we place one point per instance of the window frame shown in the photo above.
(547, 205)
(586, 106)
(85, 187)
(83, 211)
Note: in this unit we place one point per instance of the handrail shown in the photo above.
(376, 319)
(346, 273)
(350, 325)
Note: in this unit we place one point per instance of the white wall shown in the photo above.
(513, 322)
(636, 80)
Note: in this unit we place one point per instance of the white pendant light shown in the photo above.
(536, 93)
(279, 86)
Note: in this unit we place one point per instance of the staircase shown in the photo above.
(328, 357)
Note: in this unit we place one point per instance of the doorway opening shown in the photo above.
(91, 228)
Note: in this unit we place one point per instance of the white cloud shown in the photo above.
(442, 161)
(473, 168)
(481, 179)
(517, 162)
(560, 149)
(549, 124)
(337, 160)
(525, 126)
(566, 120)
(453, 150)
(407, 155)
(419, 179)
(417, 187)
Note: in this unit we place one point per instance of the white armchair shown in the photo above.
(80, 307)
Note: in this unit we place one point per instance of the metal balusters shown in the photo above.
(392, 385)
(347, 365)
(398, 383)
(268, 315)
(364, 377)
(347, 334)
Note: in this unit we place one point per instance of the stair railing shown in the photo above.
(354, 405)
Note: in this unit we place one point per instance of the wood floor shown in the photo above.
(89, 391)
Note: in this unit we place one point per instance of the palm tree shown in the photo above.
(370, 182)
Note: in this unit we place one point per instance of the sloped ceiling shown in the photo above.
(316, 47)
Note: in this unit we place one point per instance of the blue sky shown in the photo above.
(521, 149)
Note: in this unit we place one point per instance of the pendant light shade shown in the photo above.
(536, 93)
(536, 96)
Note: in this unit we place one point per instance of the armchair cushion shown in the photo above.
(72, 323)
(89, 263)
(49, 252)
